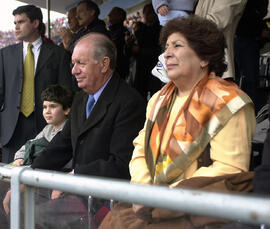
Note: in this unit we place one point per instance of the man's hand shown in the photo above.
(163, 10)
(7, 199)
(57, 194)
(142, 212)
(18, 162)
(6, 202)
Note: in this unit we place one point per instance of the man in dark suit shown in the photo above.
(87, 13)
(100, 145)
(49, 65)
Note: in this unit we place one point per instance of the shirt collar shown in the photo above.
(36, 44)
(98, 93)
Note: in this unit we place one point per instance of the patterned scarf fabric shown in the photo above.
(210, 105)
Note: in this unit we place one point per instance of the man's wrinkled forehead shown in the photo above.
(19, 18)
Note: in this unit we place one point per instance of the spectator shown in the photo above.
(260, 180)
(117, 33)
(226, 14)
(67, 34)
(146, 51)
(187, 139)
(56, 101)
(100, 143)
(21, 84)
(169, 9)
(247, 47)
(87, 13)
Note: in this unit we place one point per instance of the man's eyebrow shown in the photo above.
(19, 21)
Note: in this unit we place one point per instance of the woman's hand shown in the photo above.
(18, 162)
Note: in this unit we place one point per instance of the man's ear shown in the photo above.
(105, 62)
(36, 23)
(66, 111)
(92, 12)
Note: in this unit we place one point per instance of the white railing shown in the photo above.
(247, 208)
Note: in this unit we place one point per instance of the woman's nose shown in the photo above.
(167, 53)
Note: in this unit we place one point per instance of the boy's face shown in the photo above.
(53, 113)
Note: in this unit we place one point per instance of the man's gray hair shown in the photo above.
(103, 46)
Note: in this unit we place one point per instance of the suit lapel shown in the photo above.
(102, 105)
(19, 54)
(44, 55)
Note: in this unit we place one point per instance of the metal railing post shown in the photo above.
(15, 197)
(90, 216)
(29, 207)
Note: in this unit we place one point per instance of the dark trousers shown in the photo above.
(247, 57)
(25, 130)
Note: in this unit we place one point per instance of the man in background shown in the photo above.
(118, 31)
(67, 34)
(87, 13)
(26, 69)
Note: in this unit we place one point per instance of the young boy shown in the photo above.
(57, 101)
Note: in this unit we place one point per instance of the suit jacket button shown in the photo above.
(81, 142)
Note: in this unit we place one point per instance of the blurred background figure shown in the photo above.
(117, 31)
(226, 14)
(145, 49)
(169, 9)
(87, 13)
(247, 48)
(67, 33)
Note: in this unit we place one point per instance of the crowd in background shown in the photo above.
(9, 38)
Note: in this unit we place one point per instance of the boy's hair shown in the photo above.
(59, 94)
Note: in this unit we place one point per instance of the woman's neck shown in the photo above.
(185, 85)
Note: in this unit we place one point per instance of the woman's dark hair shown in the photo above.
(59, 94)
(203, 37)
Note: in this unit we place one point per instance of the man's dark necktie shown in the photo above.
(89, 105)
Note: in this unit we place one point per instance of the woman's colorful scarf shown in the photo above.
(210, 105)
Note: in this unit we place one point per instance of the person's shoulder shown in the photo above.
(127, 94)
(79, 95)
(52, 46)
(100, 27)
(10, 47)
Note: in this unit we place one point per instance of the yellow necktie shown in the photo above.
(27, 102)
